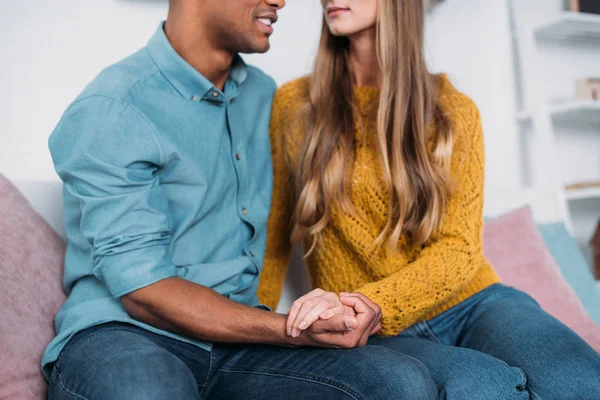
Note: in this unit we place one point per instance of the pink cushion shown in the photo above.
(31, 264)
(515, 248)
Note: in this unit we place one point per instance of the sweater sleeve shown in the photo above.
(278, 249)
(447, 263)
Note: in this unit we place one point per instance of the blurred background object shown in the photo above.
(587, 6)
(595, 245)
(588, 89)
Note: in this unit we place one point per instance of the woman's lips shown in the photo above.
(336, 12)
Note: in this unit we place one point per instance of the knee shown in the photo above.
(499, 382)
(157, 374)
(386, 374)
(574, 374)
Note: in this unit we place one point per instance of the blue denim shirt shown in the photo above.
(164, 175)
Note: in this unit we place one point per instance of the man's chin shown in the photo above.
(257, 47)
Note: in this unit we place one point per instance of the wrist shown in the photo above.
(279, 333)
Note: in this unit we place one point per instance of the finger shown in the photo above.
(370, 302)
(376, 330)
(311, 294)
(367, 333)
(359, 305)
(342, 309)
(367, 318)
(302, 312)
(313, 305)
(292, 324)
(338, 323)
(306, 317)
(293, 311)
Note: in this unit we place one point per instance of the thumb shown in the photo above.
(337, 323)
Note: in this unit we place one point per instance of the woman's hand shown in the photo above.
(315, 305)
(349, 298)
(333, 333)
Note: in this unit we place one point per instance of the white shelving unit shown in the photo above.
(542, 117)
(582, 194)
(570, 25)
(570, 112)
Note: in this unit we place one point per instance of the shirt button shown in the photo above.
(244, 211)
(238, 156)
(195, 98)
(251, 253)
(215, 94)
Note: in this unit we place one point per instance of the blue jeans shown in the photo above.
(120, 361)
(499, 344)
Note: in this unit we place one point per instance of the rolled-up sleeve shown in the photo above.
(108, 157)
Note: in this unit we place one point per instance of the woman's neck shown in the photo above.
(363, 59)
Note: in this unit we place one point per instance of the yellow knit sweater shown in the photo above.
(414, 284)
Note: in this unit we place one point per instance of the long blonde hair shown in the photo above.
(417, 179)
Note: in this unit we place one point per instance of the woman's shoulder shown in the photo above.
(291, 96)
(457, 107)
(463, 116)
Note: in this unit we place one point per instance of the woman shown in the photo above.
(379, 169)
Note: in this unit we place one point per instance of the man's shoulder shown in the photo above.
(117, 81)
(259, 79)
(258, 75)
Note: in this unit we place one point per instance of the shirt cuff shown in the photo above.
(126, 272)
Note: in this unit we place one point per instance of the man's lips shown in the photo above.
(265, 21)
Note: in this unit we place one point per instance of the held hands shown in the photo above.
(328, 320)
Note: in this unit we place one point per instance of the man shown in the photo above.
(167, 176)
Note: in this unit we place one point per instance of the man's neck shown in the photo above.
(197, 48)
(363, 59)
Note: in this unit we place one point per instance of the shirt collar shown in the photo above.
(186, 79)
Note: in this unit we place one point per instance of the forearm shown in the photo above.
(189, 309)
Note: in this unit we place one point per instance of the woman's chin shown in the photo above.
(343, 31)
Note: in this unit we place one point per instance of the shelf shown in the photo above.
(571, 25)
(583, 194)
(584, 112)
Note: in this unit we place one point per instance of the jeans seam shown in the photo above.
(533, 394)
(428, 331)
(303, 377)
(210, 373)
(62, 386)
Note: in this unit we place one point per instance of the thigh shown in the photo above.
(119, 361)
(371, 372)
(461, 373)
(511, 326)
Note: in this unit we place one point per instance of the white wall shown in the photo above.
(51, 49)
(471, 41)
